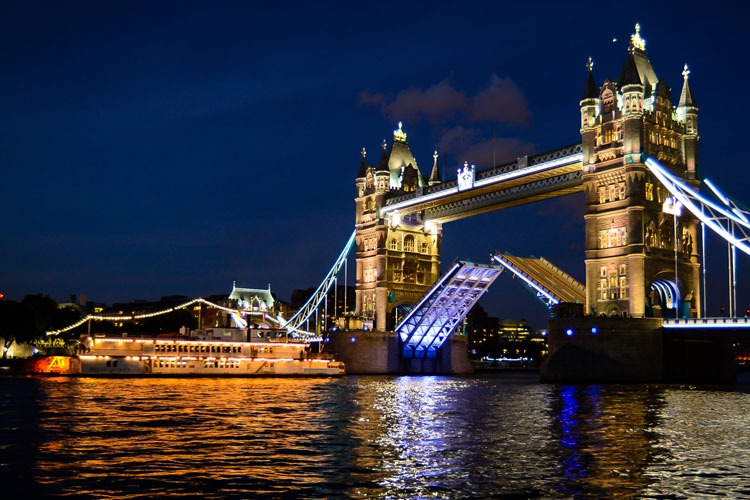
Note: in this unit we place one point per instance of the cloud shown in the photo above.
(366, 98)
(500, 101)
(469, 144)
(436, 104)
(458, 139)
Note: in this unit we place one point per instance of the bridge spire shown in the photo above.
(435, 175)
(362, 166)
(686, 97)
(591, 91)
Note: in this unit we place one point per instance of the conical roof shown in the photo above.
(629, 74)
(686, 97)
(362, 166)
(383, 164)
(435, 175)
(590, 92)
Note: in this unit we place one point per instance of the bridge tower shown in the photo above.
(398, 258)
(630, 230)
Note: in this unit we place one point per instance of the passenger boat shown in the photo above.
(213, 352)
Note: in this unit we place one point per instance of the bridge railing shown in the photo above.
(707, 323)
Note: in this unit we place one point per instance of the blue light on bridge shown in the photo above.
(354, 339)
(594, 330)
(569, 332)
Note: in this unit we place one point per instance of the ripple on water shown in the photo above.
(370, 437)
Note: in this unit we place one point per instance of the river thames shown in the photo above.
(505, 437)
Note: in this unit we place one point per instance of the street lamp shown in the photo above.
(674, 207)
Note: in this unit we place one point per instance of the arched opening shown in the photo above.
(664, 299)
(397, 314)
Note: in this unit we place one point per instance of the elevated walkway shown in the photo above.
(551, 284)
(427, 326)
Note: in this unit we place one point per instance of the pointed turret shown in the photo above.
(687, 113)
(591, 91)
(629, 74)
(383, 164)
(362, 166)
(686, 97)
(589, 113)
(435, 175)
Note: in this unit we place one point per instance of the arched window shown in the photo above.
(409, 243)
(394, 244)
(424, 248)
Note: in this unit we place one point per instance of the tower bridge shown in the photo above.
(637, 165)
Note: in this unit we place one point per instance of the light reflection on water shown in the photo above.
(370, 437)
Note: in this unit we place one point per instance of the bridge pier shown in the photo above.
(634, 350)
(377, 352)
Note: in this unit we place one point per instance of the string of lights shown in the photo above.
(131, 317)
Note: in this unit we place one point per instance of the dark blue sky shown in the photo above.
(155, 148)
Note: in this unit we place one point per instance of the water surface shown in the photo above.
(371, 437)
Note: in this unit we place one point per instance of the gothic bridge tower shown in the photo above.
(398, 259)
(630, 230)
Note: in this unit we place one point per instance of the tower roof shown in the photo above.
(362, 165)
(643, 69)
(435, 175)
(629, 74)
(686, 97)
(383, 164)
(399, 156)
(590, 92)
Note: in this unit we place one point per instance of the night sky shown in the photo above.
(158, 148)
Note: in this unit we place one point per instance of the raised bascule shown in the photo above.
(637, 165)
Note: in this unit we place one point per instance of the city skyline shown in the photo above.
(176, 148)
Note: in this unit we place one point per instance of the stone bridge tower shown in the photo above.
(398, 259)
(630, 231)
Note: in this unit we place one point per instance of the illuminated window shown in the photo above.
(623, 288)
(608, 135)
(394, 244)
(603, 272)
(612, 192)
(649, 191)
(602, 194)
(409, 243)
(424, 248)
(621, 187)
(613, 238)
(610, 238)
(623, 269)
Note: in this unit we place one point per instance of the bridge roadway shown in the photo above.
(528, 179)
(551, 284)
